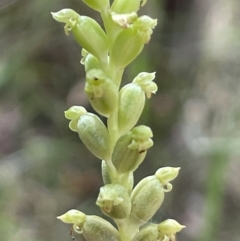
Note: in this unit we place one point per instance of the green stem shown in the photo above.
(112, 171)
(113, 133)
(111, 28)
(107, 21)
(112, 125)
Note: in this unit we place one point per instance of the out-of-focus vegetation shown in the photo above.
(195, 116)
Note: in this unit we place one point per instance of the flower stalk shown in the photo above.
(121, 145)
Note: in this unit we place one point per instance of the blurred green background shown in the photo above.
(195, 117)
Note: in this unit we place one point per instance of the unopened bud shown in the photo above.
(86, 31)
(114, 201)
(101, 92)
(147, 198)
(95, 228)
(91, 130)
(148, 233)
(131, 103)
(131, 149)
(127, 46)
(148, 195)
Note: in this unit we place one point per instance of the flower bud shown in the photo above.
(148, 233)
(93, 228)
(131, 149)
(126, 6)
(148, 195)
(86, 31)
(130, 103)
(165, 231)
(96, 229)
(97, 5)
(130, 41)
(127, 46)
(147, 198)
(91, 130)
(114, 201)
(101, 92)
(170, 226)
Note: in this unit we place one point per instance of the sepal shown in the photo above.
(67, 16)
(73, 216)
(145, 80)
(141, 138)
(74, 112)
(170, 227)
(145, 25)
(167, 174)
